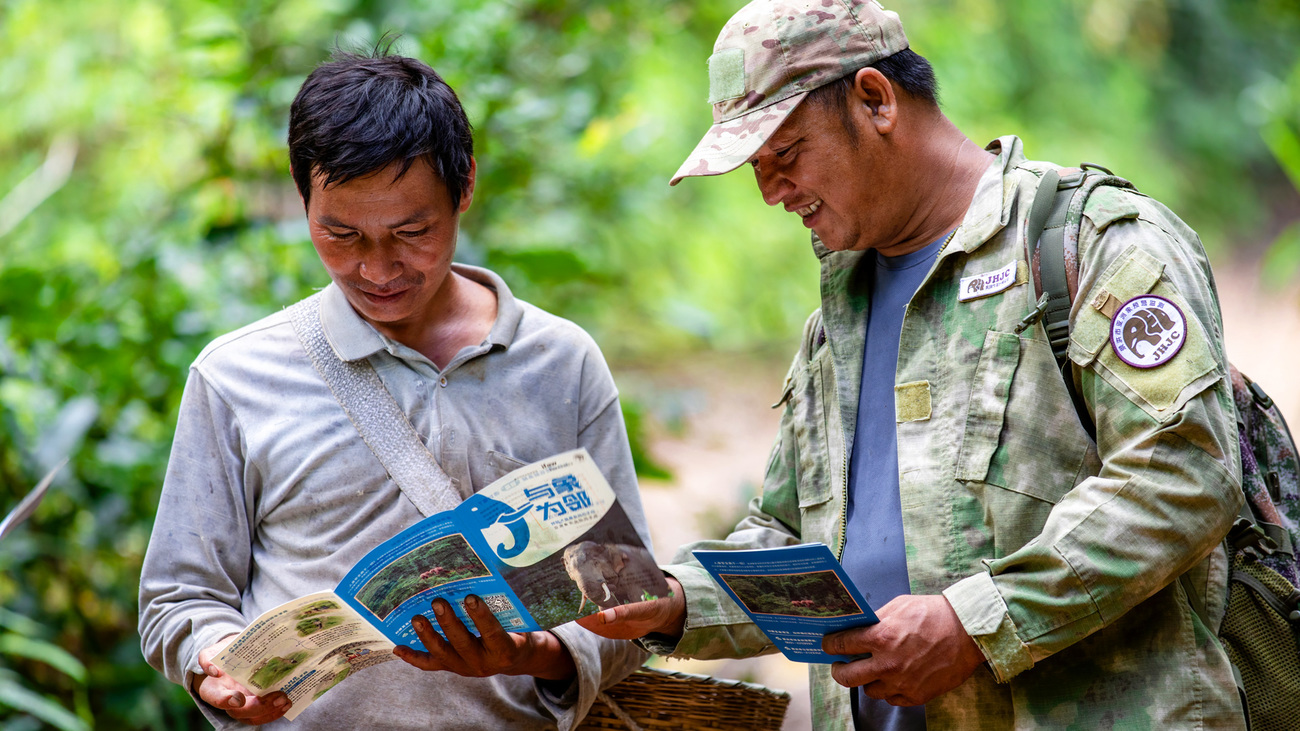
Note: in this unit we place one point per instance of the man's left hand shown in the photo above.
(919, 651)
(493, 652)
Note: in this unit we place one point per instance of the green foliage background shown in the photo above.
(145, 207)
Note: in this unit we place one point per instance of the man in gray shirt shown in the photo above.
(271, 493)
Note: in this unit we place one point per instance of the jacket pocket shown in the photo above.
(990, 389)
(812, 430)
(1022, 433)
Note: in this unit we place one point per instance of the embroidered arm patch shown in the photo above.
(1138, 330)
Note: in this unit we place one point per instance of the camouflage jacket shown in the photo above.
(1059, 557)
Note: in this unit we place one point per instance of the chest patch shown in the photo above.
(983, 285)
(1148, 331)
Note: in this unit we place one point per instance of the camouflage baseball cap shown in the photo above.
(769, 56)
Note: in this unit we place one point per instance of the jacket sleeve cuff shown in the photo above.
(711, 629)
(600, 663)
(984, 616)
(707, 604)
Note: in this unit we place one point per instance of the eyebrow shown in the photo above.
(332, 222)
(785, 144)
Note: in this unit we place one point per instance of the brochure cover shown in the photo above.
(544, 545)
(795, 594)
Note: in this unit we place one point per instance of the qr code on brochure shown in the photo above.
(501, 604)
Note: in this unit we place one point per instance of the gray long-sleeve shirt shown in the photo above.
(271, 494)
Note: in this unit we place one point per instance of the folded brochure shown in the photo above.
(795, 594)
(542, 546)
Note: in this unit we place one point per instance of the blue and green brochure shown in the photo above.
(541, 546)
(795, 594)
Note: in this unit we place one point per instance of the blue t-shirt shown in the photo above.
(873, 538)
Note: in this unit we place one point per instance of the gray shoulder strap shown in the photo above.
(382, 424)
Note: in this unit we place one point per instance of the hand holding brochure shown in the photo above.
(544, 545)
(795, 594)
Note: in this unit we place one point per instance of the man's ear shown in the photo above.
(468, 196)
(876, 96)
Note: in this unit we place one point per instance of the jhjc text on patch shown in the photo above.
(1148, 331)
(983, 285)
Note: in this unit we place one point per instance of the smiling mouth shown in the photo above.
(809, 209)
(382, 296)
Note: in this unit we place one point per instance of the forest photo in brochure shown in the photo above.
(795, 594)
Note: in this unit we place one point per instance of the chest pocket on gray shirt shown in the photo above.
(499, 465)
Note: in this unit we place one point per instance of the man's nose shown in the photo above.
(379, 266)
(773, 186)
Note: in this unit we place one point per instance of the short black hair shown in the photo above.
(357, 114)
(907, 69)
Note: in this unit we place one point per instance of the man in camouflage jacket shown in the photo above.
(1056, 582)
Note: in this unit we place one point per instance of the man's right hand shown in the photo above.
(221, 691)
(666, 616)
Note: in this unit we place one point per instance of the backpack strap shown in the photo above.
(1045, 230)
(371, 408)
(1046, 226)
(1055, 219)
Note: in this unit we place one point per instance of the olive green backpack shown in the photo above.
(1261, 627)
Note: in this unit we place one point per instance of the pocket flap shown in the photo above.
(814, 493)
(501, 464)
(1133, 274)
(989, 392)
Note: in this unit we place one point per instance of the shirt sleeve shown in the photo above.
(199, 554)
(600, 662)
(1169, 484)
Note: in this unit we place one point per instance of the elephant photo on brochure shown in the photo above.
(610, 574)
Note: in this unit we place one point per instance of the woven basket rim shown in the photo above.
(709, 679)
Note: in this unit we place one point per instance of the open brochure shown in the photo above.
(542, 546)
(795, 594)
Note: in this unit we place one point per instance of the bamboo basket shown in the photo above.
(663, 699)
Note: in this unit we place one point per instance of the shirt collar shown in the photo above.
(352, 338)
(990, 208)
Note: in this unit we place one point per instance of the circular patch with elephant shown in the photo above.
(1148, 331)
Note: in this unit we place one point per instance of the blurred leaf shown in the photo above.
(28, 504)
(15, 696)
(1281, 263)
(52, 655)
(645, 464)
(22, 625)
(1284, 143)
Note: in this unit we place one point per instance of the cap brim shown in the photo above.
(728, 145)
